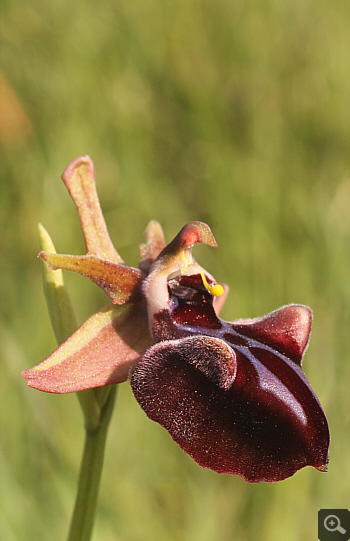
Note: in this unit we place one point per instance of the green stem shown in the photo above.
(97, 404)
(90, 474)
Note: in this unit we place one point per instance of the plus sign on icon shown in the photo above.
(334, 524)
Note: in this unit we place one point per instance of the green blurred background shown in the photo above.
(230, 112)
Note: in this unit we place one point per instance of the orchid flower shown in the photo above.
(232, 395)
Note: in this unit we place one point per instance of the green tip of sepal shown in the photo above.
(62, 315)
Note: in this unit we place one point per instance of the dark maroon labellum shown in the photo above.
(233, 395)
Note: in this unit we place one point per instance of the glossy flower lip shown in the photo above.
(233, 395)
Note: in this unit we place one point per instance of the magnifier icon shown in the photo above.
(332, 524)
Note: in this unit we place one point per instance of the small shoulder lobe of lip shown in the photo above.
(286, 330)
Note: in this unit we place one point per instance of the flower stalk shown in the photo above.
(97, 404)
(90, 473)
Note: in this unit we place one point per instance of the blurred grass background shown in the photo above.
(231, 112)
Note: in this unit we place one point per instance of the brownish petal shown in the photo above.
(79, 177)
(120, 283)
(155, 243)
(101, 352)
